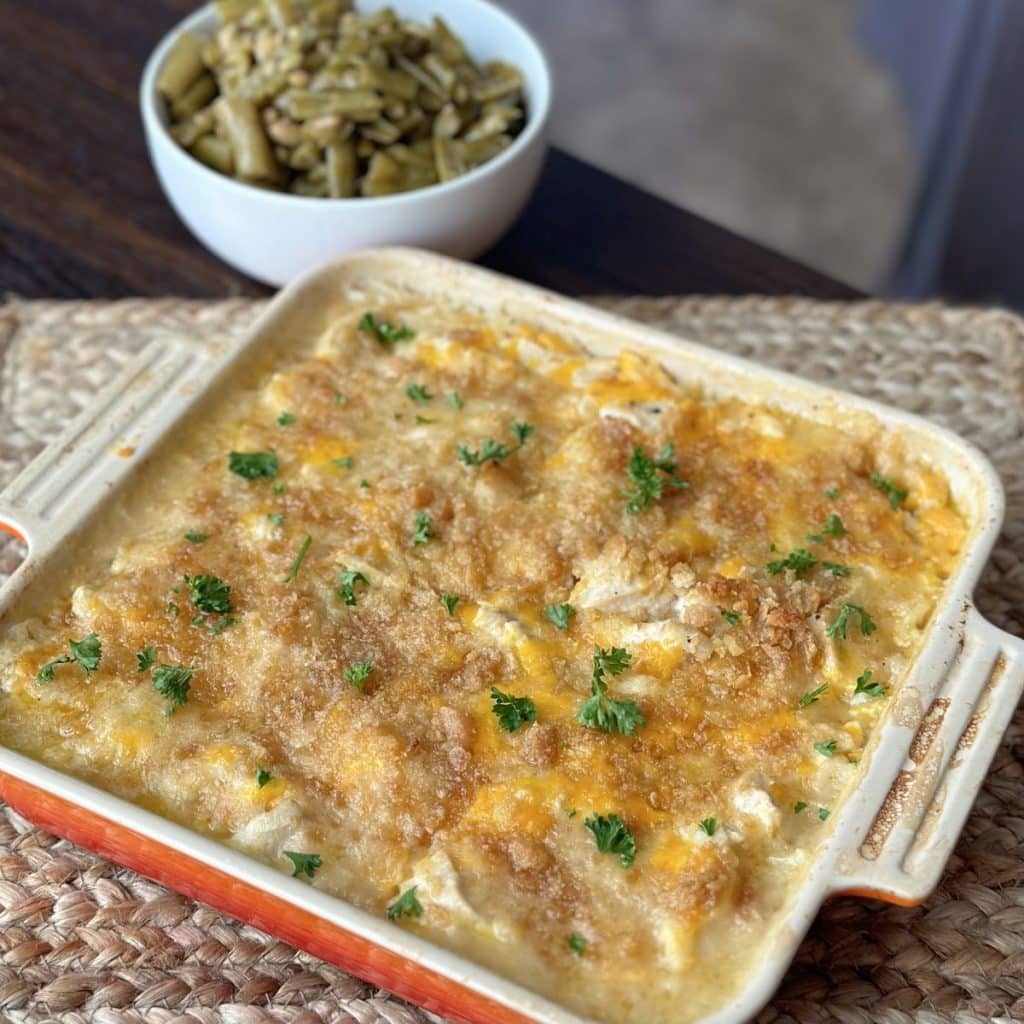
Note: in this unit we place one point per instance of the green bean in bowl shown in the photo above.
(313, 98)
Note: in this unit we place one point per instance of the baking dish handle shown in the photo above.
(59, 489)
(903, 855)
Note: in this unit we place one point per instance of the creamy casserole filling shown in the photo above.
(548, 657)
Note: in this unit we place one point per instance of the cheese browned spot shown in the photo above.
(411, 781)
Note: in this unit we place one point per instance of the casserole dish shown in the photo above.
(895, 855)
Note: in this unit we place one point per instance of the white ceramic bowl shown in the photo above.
(275, 236)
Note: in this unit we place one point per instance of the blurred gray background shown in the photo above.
(876, 140)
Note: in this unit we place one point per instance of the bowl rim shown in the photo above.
(157, 129)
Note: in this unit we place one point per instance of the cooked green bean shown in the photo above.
(314, 98)
(239, 122)
(183, 66)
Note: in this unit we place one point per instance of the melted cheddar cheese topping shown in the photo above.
(752, 723)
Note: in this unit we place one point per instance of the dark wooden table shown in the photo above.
(82, 215)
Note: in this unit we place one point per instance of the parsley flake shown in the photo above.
(560, 615)
(836, 569)
(812, 696)
(422, 532)
(209, 594)
(386, 333)
(831, 493)
(297, 564)
(263, 777)
(834, 527)
(341, 399)
(838, 628)
(600, 711)
(648, 486)
(253, 465)
(896, 494)
(196, 538)
(799, 806)
(449, 601)
(86, 652)
(173, 682)
(286, 419)
(146, 658)
(733, 618)
(512, 712)
(215, 628)
(827, 748)
(345, 462)
(823, 813)
(406, 905)
(276, 518)
(171, 609)
(494, 451)
(359, 673)
(424, 420)
(799, 560)
(577, 944)
(708, 826)
(280, 488)
(418, 393)
(865, 685)
(304, 863)
(348, 580)
(454, 400)
(612, 836)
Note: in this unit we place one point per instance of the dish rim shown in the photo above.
(823, 877)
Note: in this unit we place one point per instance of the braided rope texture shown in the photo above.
(85, 942)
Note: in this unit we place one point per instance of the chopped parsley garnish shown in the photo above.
(799, 806)
(449, 601)
(836, 569)
(196, 538)
(512, 712)
(341, 399)
(831, 493)
(612, 836)
(280, 488)
(171, 609)
(812, 696)
(823, 813)
(650, 476)
(405, 906)
(838, 628)
(253, 465)
(86, 652)
(708, 826)
(359, 673)
(733, 618)
(146, 658)
(834, 526)
(286, 419)
(454, 399)
(303, 863)
(386, 333)
(571, 813)
(297, 564)
(559, 615)
(220, 625)
(276, 518)
(577, 944)
(826, 748)
(816, 538)
(865, 685)
(209, 594)
(798, 560)
(494, 451)
(173, 682)
(896, 494)
(263, 777)
(345, 462)
(422, 532)
(348, 581)
(364, 483)
(418, 393)
(600, 711)
(424, 420)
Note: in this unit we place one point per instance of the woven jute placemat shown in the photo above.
(82, 940)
